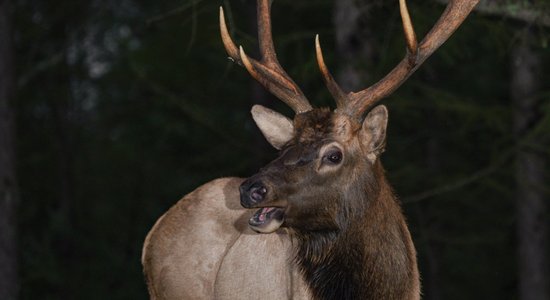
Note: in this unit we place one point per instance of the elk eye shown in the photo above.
(334, 157)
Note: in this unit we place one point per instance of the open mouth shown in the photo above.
(267, 219)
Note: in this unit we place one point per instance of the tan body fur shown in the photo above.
(202, 248)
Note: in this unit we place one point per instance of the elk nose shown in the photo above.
(252, 193)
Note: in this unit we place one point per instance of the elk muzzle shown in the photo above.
(255, 194)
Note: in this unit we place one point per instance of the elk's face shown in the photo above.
(322, 156)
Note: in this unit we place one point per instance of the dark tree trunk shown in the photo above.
(65, 159)
(354, 43)
(532, 228)
(8, 185)
(428, 228)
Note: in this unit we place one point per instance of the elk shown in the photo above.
(326, 223)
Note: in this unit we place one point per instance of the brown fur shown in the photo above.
(312, 126)
(370, 257)
(353, 242)
(344, 231)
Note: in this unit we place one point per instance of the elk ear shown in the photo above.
(373, 131)
(276, 128)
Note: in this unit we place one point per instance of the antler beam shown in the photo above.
(267, 71)
(357, 103)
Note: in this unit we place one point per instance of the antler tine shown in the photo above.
(267, 71)
(410, 36)
(455, 13)
(228, 43)
(339, 96)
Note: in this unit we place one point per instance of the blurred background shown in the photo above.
(111, 111)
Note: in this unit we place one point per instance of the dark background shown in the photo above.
(119, 108)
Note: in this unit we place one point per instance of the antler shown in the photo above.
(267, 71)
(357, 103)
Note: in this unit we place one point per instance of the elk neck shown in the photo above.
(370, 256)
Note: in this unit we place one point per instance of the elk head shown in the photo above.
(327, 158)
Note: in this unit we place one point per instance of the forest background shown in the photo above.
(110, 111)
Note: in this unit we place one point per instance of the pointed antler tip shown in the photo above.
(246, 62)
(319, 52)
(410, 36)
(317, 43)
(267, 71)
(333, 87)
(222, 15)
(223, 25)
(228, 43)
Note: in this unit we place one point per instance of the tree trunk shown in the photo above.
(8, 185)
(430, 227)
(532, 228)
(353, 42)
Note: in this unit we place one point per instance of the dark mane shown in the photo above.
(366, 258)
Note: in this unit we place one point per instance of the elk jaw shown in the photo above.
(267, 219)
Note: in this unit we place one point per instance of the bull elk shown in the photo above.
(327, 224)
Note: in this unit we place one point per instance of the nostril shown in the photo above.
(258, 193)
(252, 192)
